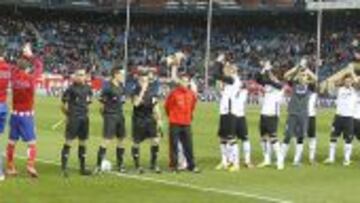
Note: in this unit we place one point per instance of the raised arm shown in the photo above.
(138, 98)
(38, 67)
(312, 76)
(291, 74)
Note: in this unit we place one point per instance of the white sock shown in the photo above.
(247, 151)
(268, 152)
(332, 151)
(224, 154)
(277, 150)
(284, 150)
(234, 154)
(347, 152)
(312, 149)
(263, 147)
(298, 153)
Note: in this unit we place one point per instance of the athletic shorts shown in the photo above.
(312, 127)
(241, 128)
(296, 125)
(77, 127)
(113, 126)
(357, 128)
(22, 127)
(3, 115)
(343, 125)
(268, 125)
(143, 128)
(227, 127)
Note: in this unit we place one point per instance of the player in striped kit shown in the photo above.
(22, 125)
(343, 122)
(270, 112)
(4, 83)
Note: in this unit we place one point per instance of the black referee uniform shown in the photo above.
(77, 97)
(144, 125)
(113, 97)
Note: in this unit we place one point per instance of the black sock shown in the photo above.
(119, 156)
(65, 156)
(82, 155)
(135, 151)
(101, 155)
(154, 152)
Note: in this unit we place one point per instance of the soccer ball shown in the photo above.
(106, 166)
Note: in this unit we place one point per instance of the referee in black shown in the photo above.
(112, 98)
(146, 121)
(76, 100)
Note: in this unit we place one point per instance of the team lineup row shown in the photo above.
(301, 117)
(147, 122)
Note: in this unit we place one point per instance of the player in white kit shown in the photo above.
(312, 123)
(241, 130)
(270, 112)
(230, 85)
(343, 122)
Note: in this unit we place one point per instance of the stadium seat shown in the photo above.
(285, 3)
(151, 3)
(249, 3)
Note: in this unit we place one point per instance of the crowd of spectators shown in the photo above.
(97, 43)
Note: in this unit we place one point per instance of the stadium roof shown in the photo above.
(159, 5)
(188, 5)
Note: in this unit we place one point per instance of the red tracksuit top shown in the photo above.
(180, 105)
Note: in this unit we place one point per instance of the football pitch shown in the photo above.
(307, 183)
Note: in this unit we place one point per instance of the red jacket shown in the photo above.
(180, 105)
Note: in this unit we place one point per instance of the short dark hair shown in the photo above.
(115, 70)
(347, 75)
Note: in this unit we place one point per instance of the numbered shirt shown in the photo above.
(272, 101)
(240, 103)
(228, 95)
(346, 102)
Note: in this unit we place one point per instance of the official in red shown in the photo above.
(23, 78)
(179, 106)
(4, 83)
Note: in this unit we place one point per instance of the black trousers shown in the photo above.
(182, 134)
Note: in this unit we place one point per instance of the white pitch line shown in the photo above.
(183, 185)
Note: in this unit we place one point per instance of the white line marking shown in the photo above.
(183, 185)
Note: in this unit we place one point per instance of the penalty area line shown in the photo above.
(183, 185)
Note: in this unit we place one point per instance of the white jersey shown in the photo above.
(272, 101)
(228, 95)
(312, 104)
(240, 103)
(345, 102)
(357, 106)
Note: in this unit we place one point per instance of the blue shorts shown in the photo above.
(22, 127)
(3, 114)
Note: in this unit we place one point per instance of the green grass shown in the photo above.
(305, 184)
